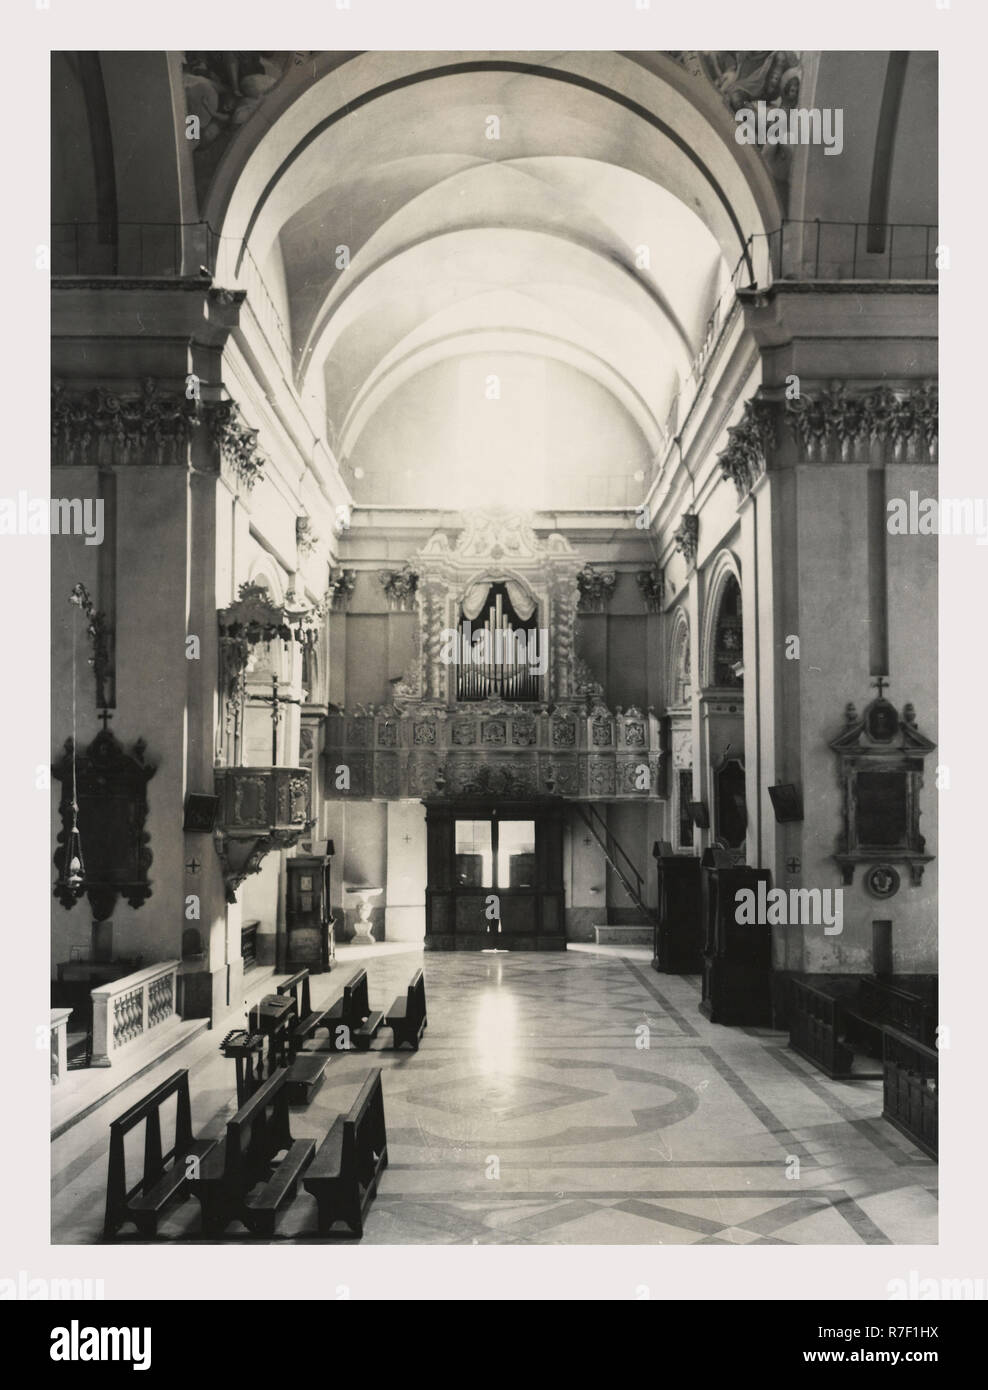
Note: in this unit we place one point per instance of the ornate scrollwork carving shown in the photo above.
(101, 638)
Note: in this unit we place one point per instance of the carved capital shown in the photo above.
(596, 588)
(686, 538)
(400, 587)
(341, 586)
(305, 538)
(651, 584)
(839, 421)
(107, 427)
(237, 443)
(749, 442)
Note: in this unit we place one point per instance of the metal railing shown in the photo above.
(823, 250)
(170, 249)
(808, 250)
(623, 866)
(797, 250)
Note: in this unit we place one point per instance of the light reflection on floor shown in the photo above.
(531, 1059)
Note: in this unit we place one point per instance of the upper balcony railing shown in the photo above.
(162, 250)
(821, 250)
(795, 251)
(807, 251)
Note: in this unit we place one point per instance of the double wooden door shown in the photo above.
(495, 877)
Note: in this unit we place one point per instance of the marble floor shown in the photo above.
(569, 1098)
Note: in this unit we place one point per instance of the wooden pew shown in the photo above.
(160, 1184)
(352, 1011)
(815, 1029)
(904, 1003)
(910, 1088)
(243, 1177)
(407, 1016)
(305, 1069)
(344, 1174)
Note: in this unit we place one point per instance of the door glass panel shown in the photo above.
(474, 866)
(516, 854)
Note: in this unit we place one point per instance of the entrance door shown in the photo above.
(495, 878)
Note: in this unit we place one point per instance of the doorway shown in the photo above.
(494, 877)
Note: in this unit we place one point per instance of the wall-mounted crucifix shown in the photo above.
(275, 701)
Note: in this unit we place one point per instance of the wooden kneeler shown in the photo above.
(160, 1185)
(344, 1174)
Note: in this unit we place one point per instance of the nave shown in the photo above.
(534, 1113)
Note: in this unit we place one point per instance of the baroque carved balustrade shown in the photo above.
(128, 1010)
(495, 749)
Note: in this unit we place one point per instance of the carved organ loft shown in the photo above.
(497, 727)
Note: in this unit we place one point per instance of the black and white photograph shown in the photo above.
(497, 736)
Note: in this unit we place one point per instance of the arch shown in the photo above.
(265, 571)
(520, 591)
(723, 572)
(680, 661)
(599, 234)
(698, 131)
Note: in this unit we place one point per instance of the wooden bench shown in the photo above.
(353, 1015)
(909, 1099)
(306, 1069)
(899, 1003)
(160, 1184)
(815, 1029)
(344, 1174)
(407, 1017)
(243, 1177)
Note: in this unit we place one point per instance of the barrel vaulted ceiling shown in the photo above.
(560, 225)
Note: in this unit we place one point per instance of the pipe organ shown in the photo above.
(498, 654)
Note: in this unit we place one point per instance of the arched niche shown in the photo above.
(680, 662)
(723, 636)
(680, 732)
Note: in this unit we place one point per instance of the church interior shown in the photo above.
(494, 791)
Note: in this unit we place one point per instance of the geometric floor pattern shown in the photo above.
(568, 1098)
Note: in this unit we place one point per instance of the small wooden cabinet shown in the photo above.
(737, 958)
(678, 937)
(309, 937)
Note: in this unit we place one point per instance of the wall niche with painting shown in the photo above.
(881, 760)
